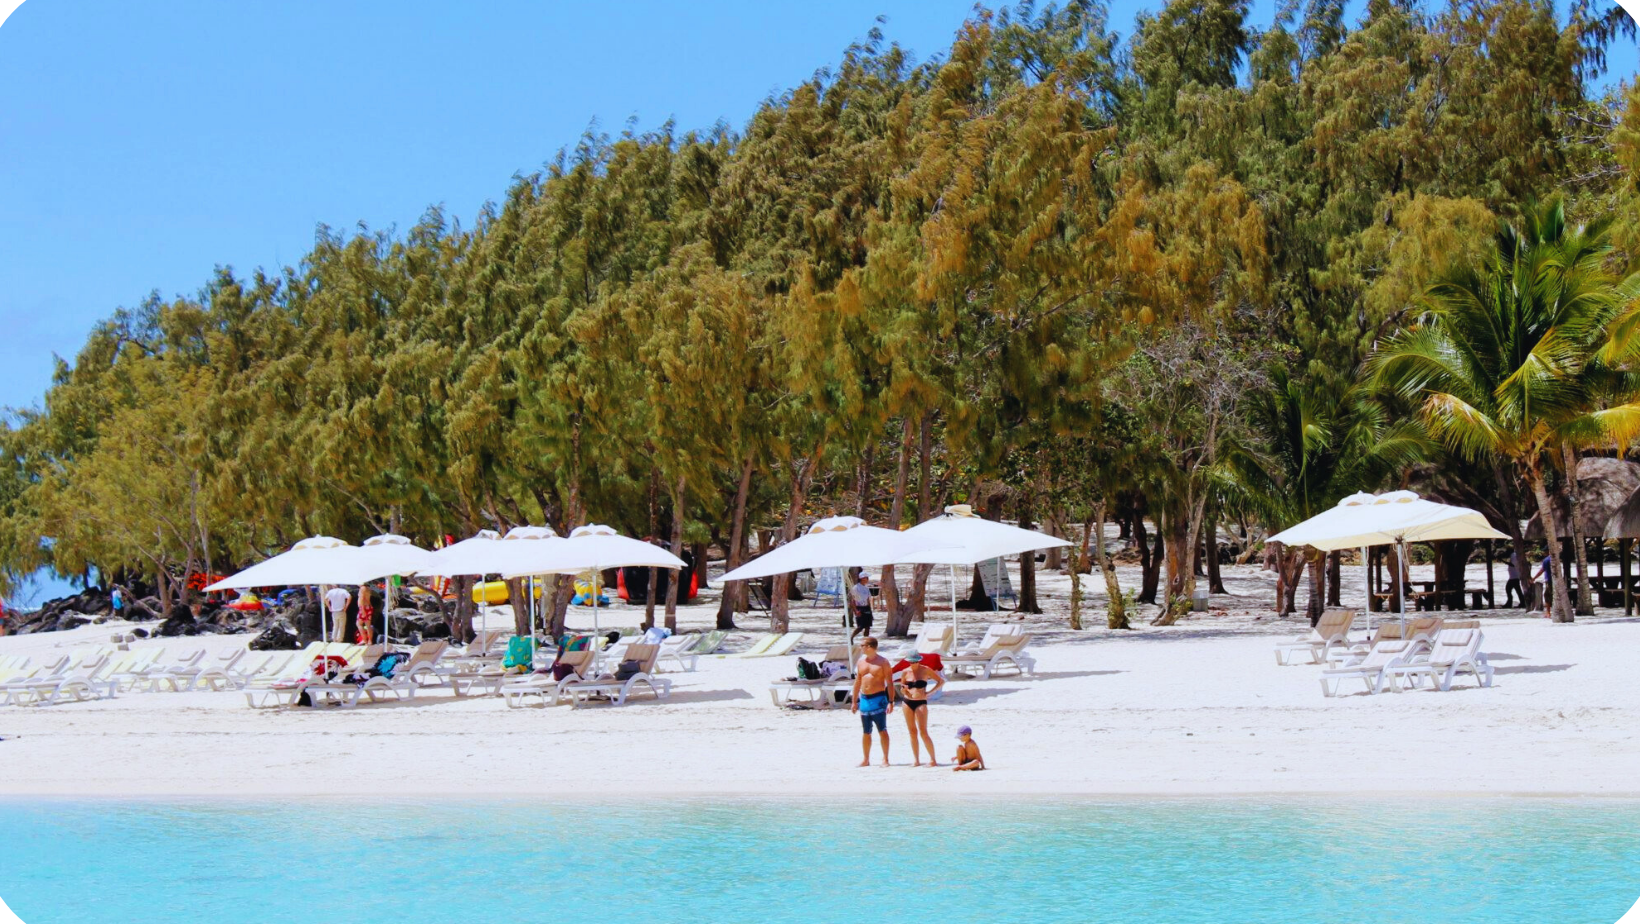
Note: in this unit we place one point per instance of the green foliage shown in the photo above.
(1097, 276)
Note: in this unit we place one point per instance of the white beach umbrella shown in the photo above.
(389, 555)
(595, 547)
(474, 555)
(1393, 518)
(526, 552)
(837, 542)
(315, 560)
(385, 556)
(968, 539)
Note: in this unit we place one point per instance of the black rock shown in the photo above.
(71, 621)
(433, 630)
(274, 638)
(139, 633)
(180, 622)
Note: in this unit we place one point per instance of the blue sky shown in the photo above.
(146, 142)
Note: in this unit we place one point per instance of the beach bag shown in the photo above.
(807, 670)
(628, 669)
(561, 670)
(830, 669)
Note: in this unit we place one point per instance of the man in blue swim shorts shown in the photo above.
(873, 697)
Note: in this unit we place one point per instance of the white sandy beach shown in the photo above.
(1197, 709)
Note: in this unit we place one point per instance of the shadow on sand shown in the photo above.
(1063, 675)
(1534, 669)
(967, 696)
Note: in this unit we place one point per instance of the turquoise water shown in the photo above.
(762, 862)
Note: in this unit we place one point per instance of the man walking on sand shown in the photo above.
(873, 697)
(860, 602)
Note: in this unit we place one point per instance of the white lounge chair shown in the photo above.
(616, 689)
(1420, 629)
(236, 674)
(1454, 651)
(284, 687)
(182, 679)
(1007, 650)
(759, 645)
(424, 666)
(681, 650)
(710, 642)
(932, 638)
(1330, 632)
(543, 685)
(88, 681)
(993, 634)
(19, 688)
(782, 645)
(814, 693)
(1370, 669)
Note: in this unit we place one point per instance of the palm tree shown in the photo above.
(1507, 359)
(1317, 443)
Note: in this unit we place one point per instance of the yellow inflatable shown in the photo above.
(494, 593)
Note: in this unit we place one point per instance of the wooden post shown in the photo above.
(1623, 547)
(1491, 588)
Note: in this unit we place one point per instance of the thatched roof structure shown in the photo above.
(1624, 523)
(1604, 487)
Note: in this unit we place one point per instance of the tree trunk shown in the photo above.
(677, 549)
(1056, 555)
(734, 593)
(1027, 560)
(1313, 607)
(1335, 577)
(1116, 614)
(1397, 591)
(896, 517)
(461, 617)
(518, 599)
(1585, 599)
(563, 591)
(1561, 606)
(1150, 561)
(780, 594)
(1210, 539)
(913, 605)
(649, 593)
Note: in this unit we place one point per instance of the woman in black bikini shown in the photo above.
(917, 684)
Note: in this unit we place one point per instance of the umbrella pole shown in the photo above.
(956, 629)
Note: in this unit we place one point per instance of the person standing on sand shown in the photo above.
(873, 697)
(968, 755)
(914, 696)
(860, 598)
(336, 600)
(365, 631)
(1546, 577)
(1511, 587)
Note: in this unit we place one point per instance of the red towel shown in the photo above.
(930, 661)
